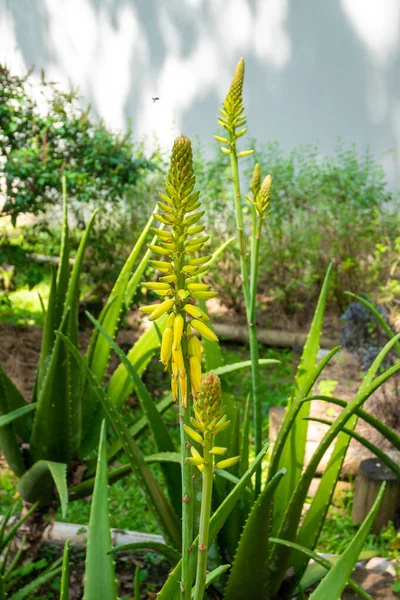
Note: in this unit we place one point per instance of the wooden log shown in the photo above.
(371, 475)
(268, 337)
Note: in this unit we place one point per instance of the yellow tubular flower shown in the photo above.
(181, 271)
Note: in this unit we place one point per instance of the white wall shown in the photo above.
(315, 69)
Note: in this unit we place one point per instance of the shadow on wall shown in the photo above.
(314, 70)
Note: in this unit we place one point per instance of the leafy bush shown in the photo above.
(48, 135)
(315, 202)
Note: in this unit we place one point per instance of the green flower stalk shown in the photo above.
(233, 120)
(209, 420)
(180, 286)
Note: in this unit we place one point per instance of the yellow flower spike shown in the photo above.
(147, 310)
(263, 196)
(256, 180)
(194, 434)
(201, 260)
(169, 278)
(161, 265)
(204, 330)
(174, 388)
(198, 287)
(221, 426)
(177, 357)
(195, 230)
(183, 386)
(155, 285)
(228, 462)
(170, 320)
(195, 311)
(196, 424)
(245, 153)
(189, 269)
(196, 459)
(182, 294)
(194, 347)
(161, 233)
(167, 219)
(203, 295)
(166, 346)
(159, 250)
(178, 330)
(163, 292)
(218, 450)
(161, 309)
(195, 374)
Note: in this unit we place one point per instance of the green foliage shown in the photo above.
(38, 145)
(315, 199)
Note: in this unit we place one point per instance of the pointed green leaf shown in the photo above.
(162, 509)
(36, 485)
(244, 364)
(292, 515)
(99, 570)
(314, 519)
(333, 584)
(320, 560)
(389, 331)
(11, 399)
(8, 441)
(16, 414)
(28, 590)
(248, 577)
(172, 555)
(121, 385)
(294, 450)
(48, 335)
(164, 443)
(110, 318)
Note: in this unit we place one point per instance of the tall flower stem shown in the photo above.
(206, 496)
(239, 220)
(187, 506)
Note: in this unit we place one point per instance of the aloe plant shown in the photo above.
(60, 426)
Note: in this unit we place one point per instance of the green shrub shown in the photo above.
(316, 201)
(45, 134)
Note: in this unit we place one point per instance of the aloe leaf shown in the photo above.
(8, 440)
(390, 434)
(63, 266)
(383, 457)
(85, 488)
(3, 594)
(50, 432)
(37, 483)
(49, 327)
(248, 577)
(292, 413)
(244, 364)
(315, 516)
(121, 385)
(320, 560)
(110, 318)
(213, 575)
(385, 326)
(64, 589)
(293, 512)
(170, 590)
(11, 399)
(161, 457)
(294, 449)
(99, 569)
(16, 414)
(135, 430)
(333, 584)
(27, 591)
(162, 508)
(5, 539)
(172, 555)
(163, 440)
